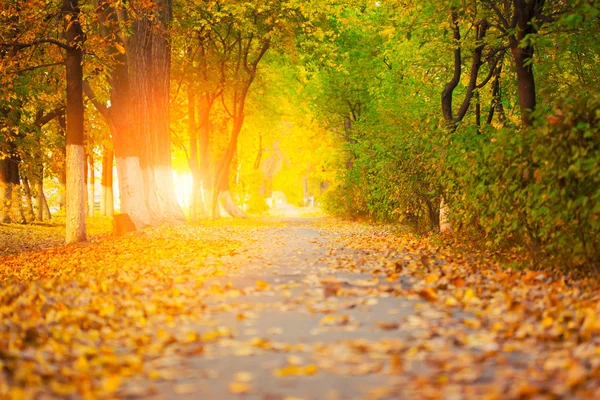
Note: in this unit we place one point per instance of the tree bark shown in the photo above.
(140, 124)
(525, 11)
(30, 215)
(193, 161)
(15, 207)
(62, 172)
(91, 186)
(221, 184)
(107, 199)
(204, 168)
(4, 192)
(45, 209)
(149, 55)
(75, 164)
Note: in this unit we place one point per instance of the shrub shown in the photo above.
(537, 187)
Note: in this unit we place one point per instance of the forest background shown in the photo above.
(480, 117)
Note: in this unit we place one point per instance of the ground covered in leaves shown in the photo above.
(285, 309)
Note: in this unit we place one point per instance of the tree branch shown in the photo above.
(42, 120)
(38, 66)
(19, 46)
(102, 109)
(450, 86)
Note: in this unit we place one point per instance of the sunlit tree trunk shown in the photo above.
(140, 123)
(204, 171)
(4, 192)
(221, 186)
(45, 208)
(29, 214)
(107, 196)
(193, 161)
(75, 164)
(62, 169)
(91, 186)
(149, 55)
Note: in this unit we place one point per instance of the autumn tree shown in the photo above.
(138, 115)
(18, 41)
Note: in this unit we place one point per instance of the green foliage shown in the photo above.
(538, 187)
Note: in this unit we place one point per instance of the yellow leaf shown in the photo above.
(431, 278)
(450, 302)
(112, 383)
(82, 364)
(108, 309)
(239, 387)
(295, 370)
(62, 389)
(473, 323)
(154, 374)
(547, 322)
(469, 295)
(262, 285)
(120, 48)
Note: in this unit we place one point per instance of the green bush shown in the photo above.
(389, 177)
(536, 188)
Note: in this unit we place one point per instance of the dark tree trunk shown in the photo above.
(525, 11)
(75, 164)
(16, 207)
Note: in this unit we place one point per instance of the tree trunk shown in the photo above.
(193, 161)
(525, 83)
(525, 13)
(39, 202)
(204, 171)
(4, 192)
(140, 123)
(149, 75)
(102, 186)
(222, 174)
(91, 186)
(45, 209)
(229, 205)
(15, 209)
(75, 163)
(106, 199)
(62, 173)
(29, 214)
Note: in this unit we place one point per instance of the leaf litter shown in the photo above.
(312, 309)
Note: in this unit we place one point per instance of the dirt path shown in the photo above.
(290, 309)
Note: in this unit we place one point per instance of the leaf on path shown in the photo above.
(296, 370)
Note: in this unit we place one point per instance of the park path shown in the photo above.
(314, 310)
(299, 316)
(290, 308)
